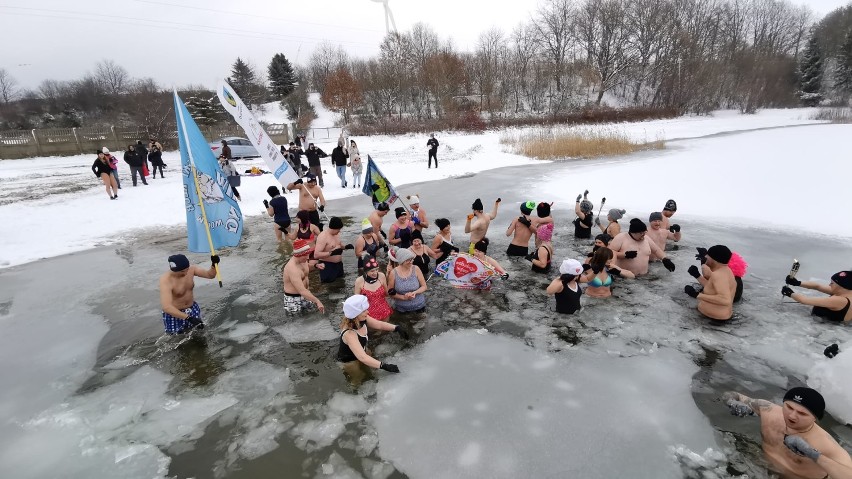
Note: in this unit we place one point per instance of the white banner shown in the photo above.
(269, 151)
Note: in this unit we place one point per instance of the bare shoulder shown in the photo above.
(828, 446)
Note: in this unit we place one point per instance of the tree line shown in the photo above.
(685, 56)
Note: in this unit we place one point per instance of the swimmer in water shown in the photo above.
(479, 228)
(600, 273)
(565, 289)
(794, 444)
(521, 230)
(180, 311)
(833, 308)
(352, 347)
(716, 300)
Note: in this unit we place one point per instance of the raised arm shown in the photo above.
(493, 213)
(742, 405)
(578, 211)
(467, 224)
(424, 222)
(201, 273)
(296, 185)
(834, 303)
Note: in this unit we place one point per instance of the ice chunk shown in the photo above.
(306, 330)
(244, 332)
(624, 413)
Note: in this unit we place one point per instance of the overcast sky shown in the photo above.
(178, 42)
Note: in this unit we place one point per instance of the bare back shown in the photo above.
(722, 286)
(521, 234)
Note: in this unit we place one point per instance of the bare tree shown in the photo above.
(8, 87)
(490, 50)
(553, 25)
(325, 59)
(112, 77)
(606, 40)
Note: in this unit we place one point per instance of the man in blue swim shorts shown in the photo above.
(180, 311)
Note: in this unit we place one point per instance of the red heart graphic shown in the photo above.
(463, 267)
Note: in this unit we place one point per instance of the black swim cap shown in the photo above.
(335, 223)
(719, 253)
(477, 205)
(637, 226)
(809, 398)
(178, 262)
(843, 279)
(273, 191)
(442, 223)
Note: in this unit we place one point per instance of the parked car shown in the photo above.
(240, 147)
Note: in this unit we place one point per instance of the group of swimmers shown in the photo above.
(615, 254)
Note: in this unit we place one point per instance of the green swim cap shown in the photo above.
(366, 226)
(528, 207)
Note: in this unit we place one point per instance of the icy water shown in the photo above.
(493, 384)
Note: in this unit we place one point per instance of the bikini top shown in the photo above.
(597, 283)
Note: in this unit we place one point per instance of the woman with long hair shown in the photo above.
(600, 274)
(102, 169)
(352, 348)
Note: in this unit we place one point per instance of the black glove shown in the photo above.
(589, 255)
(504, 276)
(792, 281)
(385, 236)
(336, 251)
(585, 194)
(298, 182)
(322, 207)
(392, 292)
(787, 291)
(675, 228)
(195, 321)
(214, 259)
(349, 246)
(668, 264)
(499, 200)
(586, 267)
(266, 203)
(614, 271)
(693, 271)
(524, 221)
(529, 257)
(391, 368)
(688, 289)
(398, 329)
(579, 197)
(702, 255)
(385, 247)
(630, 254)
(831, 351)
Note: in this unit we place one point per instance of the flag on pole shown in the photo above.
(269, 151)
(377, 186)
(466, 271)
(215, 221)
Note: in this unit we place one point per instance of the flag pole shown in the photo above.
(198, 192)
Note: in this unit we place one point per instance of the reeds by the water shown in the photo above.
(550, 144)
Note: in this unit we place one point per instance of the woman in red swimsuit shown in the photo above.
(374, 285)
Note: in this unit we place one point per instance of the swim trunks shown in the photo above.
(173, 325)
(294, 303)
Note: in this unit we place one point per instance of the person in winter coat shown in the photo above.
(134, 159)
(102, 170)
(226, 150)
(432, 144)
(155, 156)
(314, 154)
(113, 163)
(355, 163)
(339, 158)
(231, 172)
(143, 153)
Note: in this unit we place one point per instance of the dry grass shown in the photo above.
(549, 144)
(834, 115)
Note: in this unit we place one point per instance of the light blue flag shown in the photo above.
(377, 186)
(224, 217)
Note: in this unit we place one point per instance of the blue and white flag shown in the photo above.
(224, 218)
(377, 186)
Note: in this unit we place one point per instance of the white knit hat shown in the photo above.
(413, 200)
(571, 266)
(105, 150)
(355, 305)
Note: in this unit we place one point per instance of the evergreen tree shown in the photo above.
(203, 110)
(245, 82)
(810, 73)
(843, 74)
(282, 78)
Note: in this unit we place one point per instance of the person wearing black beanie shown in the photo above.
(521, 230)
(329, 251)
(668, 211)
(479, 228)
(836, 307)
(794, 444)
(716, 301)
(633, 250)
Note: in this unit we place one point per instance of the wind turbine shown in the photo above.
(388, 16)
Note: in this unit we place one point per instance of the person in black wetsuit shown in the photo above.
(585, 218)
(443, 241)
(834, 308)
(565, 288)
(352, 348)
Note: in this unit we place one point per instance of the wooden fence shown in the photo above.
(16, 144)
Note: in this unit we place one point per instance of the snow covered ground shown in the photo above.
(55, 205)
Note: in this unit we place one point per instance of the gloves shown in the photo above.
(691, 291)
(831, 351)
(504, 276)
(298, 182)
(349, 246)
(214, 259)
(416, 220)
(392, 292)
(336, 251)
(195, 321)
(470, 217)
(322, 207)
(385, 247)
(524, 221)
(579, 197)
(614, 271)
(398, 330)
(391, 368)
(787, 291)
(739, 409)
(674, 228)
(668, 264)
(630, 254)
(266, 203)
(499, 200)
(801, 447)
(597, 220)
(792, 281)
(586, 267)
(585, 194)
(385, 236)
(702, 255)
(693, 271)
(529, 257)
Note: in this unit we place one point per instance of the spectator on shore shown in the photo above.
(432, 145)
(314, 154)
(134, 160)
(226, 150)
(143, 154)
(113, 163)
(155, 156)
(102, 170)
(355, 163)
(339, 157)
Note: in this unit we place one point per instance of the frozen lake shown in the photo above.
(493, 384)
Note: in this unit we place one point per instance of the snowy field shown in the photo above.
(53, 206)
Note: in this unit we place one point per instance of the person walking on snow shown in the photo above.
(113, 163)
(155, 156)
(432, 144)
(231, 173)
(355, 163)
(314, 154)
(134, 160)
(102, 170)
(339, 158)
